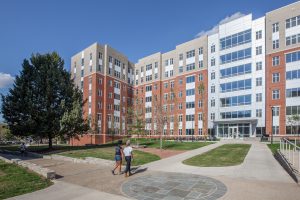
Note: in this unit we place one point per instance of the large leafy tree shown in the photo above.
(42, 95)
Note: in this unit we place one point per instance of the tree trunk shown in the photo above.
(50, 141)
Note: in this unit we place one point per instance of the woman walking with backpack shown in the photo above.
(118, 157)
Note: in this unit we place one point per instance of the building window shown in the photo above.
(275, 44)
(259, 97)
(275, 61)
(235, 71)
(275, 27)
(200, 103)
(213, 75)
(172, 84)
(201, 64)
(292, 57)
(235, 40)
(165, 85)
(293, 39)
(181, 56)
(190, 66)
(213, 89)
(190, 54)
(294, 74)
(200, 131)
(180, 106)
(180, 81)
(259, 81)
(171, 61)
(236, 85)
(180, 69)
(235, 56)
(213, 103)
(212, 48)
(291, 22)
(180, 94)
(200, 50)
(275, 94)
(190, 79)
(258, 66)
(200, 117)
(166, 62)
(200, 77)
(293, 92)
(275, 111)
(236, 100)
(258, 112)
(275, 77)
(258, 35)
(258, 50)
(212, 116)
(213, 62)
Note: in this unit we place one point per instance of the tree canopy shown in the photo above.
(42, 97)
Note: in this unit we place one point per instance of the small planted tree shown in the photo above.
(201, 90)
(294, 122)
(136, 120)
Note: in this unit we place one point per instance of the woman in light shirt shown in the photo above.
(128, 157)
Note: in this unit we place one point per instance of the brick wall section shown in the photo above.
(281, 85)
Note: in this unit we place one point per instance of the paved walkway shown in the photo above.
(259, 177)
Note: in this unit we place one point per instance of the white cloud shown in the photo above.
(215, 29)
(6, 80)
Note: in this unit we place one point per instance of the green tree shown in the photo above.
(41, 95)
(135, 120)
(201, 90)
(72, 124)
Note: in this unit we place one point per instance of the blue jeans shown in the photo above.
(128, 163)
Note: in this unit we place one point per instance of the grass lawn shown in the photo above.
(15, 180)
(273, 147)
(225, 155)
(108, 154)
(172, 145)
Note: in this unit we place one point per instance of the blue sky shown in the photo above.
(135, 27)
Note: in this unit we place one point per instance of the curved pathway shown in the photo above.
(259, 177)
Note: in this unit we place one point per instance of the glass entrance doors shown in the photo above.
(233, 132)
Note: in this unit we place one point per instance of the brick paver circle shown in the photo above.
(174, 186)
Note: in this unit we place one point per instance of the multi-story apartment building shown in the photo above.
(283, 68)
(224, 84)
(106, 79)
(173, 79)
(236, 71)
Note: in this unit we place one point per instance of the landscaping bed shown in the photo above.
(225, 155)
(15, 180)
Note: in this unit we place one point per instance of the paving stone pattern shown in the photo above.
(174, 186)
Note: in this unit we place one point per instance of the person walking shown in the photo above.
(118, 157)
(128, 157)
(23, 149)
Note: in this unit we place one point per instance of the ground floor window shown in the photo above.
(292, 130)
(234, 130)
(189, 131)
(200, 131)
(260, 131)
(275, 130)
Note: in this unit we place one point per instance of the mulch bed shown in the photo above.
(161, 153)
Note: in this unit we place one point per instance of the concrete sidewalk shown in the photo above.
(62, 191)
(259, 164)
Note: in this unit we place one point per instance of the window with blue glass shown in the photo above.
(190, 105)
(292, 57)
(294, 74)
(190, 92)
(235, 114)
(190, 79)
(235, 71)
(236, 85)
(236, 101)
(235, 39)
(293, 92)
(234, 56)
